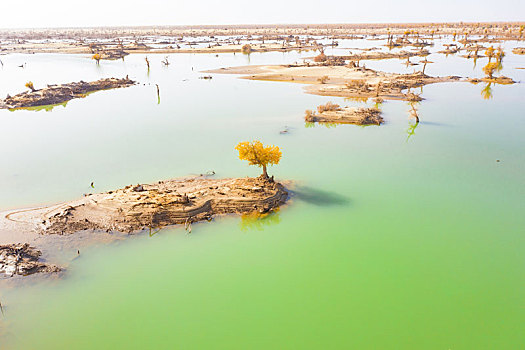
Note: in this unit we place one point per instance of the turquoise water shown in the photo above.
(390, 241)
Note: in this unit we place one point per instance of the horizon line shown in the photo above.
(245, 25)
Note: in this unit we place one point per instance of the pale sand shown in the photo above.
(364, 83)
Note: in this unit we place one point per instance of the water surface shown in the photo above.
(397, 237)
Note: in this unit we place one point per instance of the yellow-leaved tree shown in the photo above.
(258, 154)
(97, 57)
(489, 69)
(490, 53)
(30, 85)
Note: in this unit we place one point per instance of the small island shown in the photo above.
(57, 94)
(347, 80)
(333, 113)
(151, 206)
(145, 207)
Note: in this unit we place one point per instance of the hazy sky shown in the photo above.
(61, 13)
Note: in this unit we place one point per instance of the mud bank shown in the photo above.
(56, 94)
(21, 259)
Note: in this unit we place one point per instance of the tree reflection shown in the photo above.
(499, 67)
(413, 113)
(411, 129)
(328, 125)
(361, 99)
(258, 221)
(486, 92)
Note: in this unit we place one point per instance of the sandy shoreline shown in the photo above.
(273, 30)
(232, 38)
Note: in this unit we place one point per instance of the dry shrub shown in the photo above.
(320, 58)
(336, 61)
(323, 79)
(329, 106)
(309, 115)
(356, 84)
(371, 116)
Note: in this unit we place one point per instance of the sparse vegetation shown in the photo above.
(323, 79)
(246, 49)
(329, 106)
(357, 84)
(309, 114)
(320, 58)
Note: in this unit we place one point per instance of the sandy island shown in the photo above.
(341, 81)
(56, 94)
(131, 209)
(333, 113)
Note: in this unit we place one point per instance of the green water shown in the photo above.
(390, 241)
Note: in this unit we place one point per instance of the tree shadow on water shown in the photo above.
(319, 197)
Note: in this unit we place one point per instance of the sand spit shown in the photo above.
(346, 115)
(380, 55)
(21, 259)
(495, 80)
(114, 51)
(269, 47)
(341, 81)
(55, 94)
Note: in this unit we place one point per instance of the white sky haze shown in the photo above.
(63, 13)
